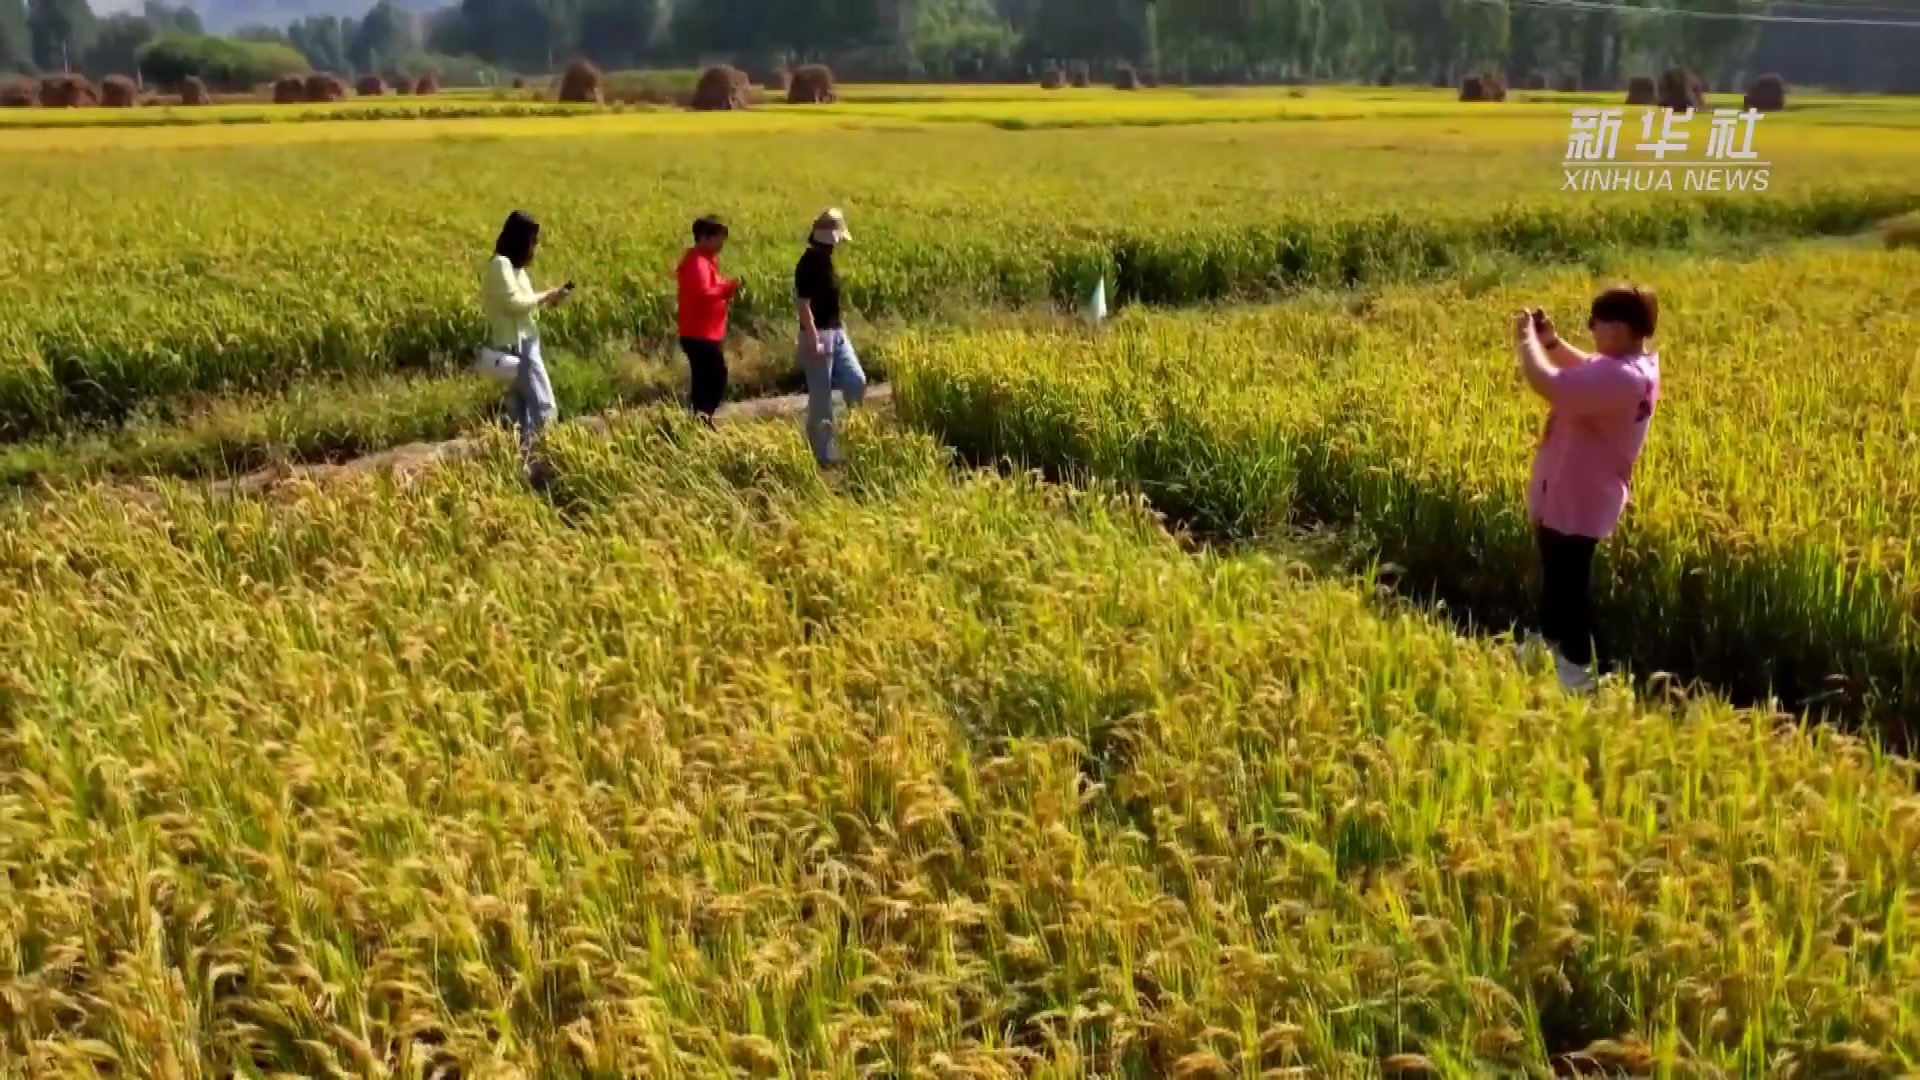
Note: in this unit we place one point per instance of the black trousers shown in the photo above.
(707, 362)
(1566, 594)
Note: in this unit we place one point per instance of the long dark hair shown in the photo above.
(517, 238)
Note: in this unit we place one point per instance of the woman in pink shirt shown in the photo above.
(1600, 407)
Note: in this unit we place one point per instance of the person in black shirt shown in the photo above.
(825, 353)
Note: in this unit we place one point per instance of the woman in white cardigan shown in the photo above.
(512, 350)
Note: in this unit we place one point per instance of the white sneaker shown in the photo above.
(1574, 679)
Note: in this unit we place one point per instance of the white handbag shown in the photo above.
(497, 364)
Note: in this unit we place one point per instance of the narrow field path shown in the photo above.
(414, 457)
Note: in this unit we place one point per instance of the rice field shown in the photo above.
(710, 767)
(1086, 763)
(1770, 542)
(268, 260)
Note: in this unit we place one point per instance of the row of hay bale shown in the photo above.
(1080, 77)
(375, 86)
(69, 91)
(1677, 88)
(321, 87)
(719, 88)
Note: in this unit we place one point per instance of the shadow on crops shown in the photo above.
(1778, 664)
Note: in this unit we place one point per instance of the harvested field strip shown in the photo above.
(242, 281)
(708, 765)
(1770, 542)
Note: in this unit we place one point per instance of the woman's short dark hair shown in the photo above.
(517, 238)
(710, 225)
(1637, 308)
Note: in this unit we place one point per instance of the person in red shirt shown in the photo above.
(704, 295)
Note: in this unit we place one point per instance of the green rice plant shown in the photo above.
(1769, 543)
(328, 421)
(250, 260)
(711, 765)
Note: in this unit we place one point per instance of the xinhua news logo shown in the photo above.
(1730, 163)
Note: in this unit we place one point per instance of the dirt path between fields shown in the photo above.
(412, 458)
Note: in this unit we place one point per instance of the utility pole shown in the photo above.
(1153, 38)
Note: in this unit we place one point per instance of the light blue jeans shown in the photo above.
(530, 403)
(838, 368)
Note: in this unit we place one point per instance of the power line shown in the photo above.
(1847, 5)
(1720, 16)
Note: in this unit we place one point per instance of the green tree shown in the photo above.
(116, 45)
(724, 26)
(1717, 48)
(167, 19)
(322, 39)
(16, 44)
(379, 40)
(525, 35)
(964, 39)
(61, 32)
(223, 63)
(1477, 34)
(621, 33)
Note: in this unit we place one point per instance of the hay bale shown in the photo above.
(1484, 86)
(67, 92)
(426, 85)
(1052, 79)
(1080, 77)
(1568, 83)
(721, 88)
(1535, 80)
(289, 90)
(1767, 94)
(1681, 90)
(18, 94)
(323, 87)
(811, 84)
(580, 85)
(370, 86)
(193, 91)
(1641, 91)
(119, 92)
(1126, 78)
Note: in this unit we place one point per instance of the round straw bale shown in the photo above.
(1767, 94)
(721, 88)
(580, 84)
(811, 84)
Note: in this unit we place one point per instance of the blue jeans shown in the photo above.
(837, 368)
(530, 403)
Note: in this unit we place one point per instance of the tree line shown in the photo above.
(1426, 41)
